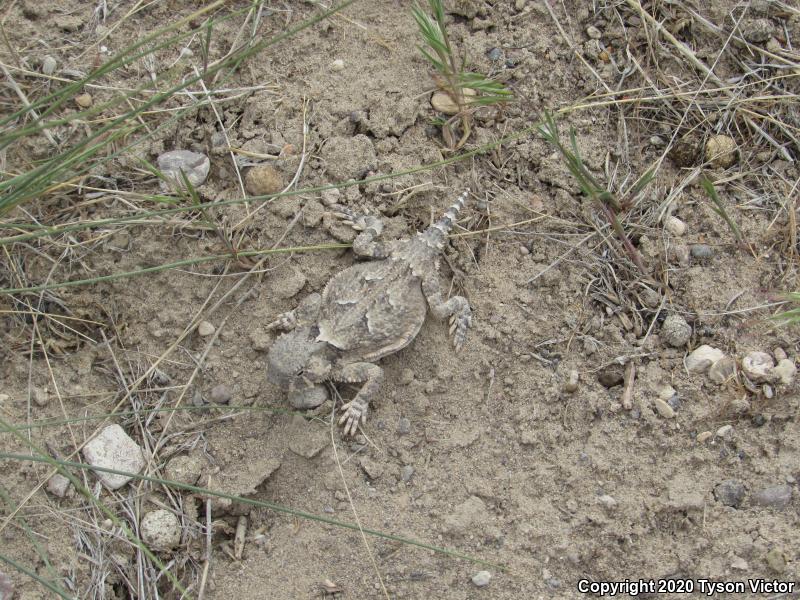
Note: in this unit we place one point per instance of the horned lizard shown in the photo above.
(365, 312)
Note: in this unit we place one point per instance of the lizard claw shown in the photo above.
(458, 329)
(355, 413)
(284, 321)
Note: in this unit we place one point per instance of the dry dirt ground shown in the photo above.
(493, 453)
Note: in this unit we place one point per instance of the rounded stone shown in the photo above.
(676, 331)
(444, 103)
(593, 32)
(721, 151)
(776, 496)
(84, 100)
(664, 409)
(703, 437)
(161, 530)
(701, 359)
(784, 371)
(758, 366)
(263, 180)
(701, 251)
(482, 578)
(205, 329)
(337, 65)
(675, 226)
(49, 65)
(220, 394)
(730, 493)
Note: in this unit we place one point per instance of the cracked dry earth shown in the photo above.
(499, 452)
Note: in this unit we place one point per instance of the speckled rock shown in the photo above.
(481, 578)
(721, 151)
(675, 226)
(676, 331)
(58, 485)
(730, 493)
(185, 469)
(112, 448)
(263, 180)
(160, 530)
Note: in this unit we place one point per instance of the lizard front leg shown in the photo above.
(369, 227)
(306, 313)
(457, 308)
(355, 411)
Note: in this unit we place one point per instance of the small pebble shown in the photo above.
(406, 473)
(722, 370)
(701, 251)
(607, 501)
(161, 530)
(776, 496)
(675, 226)
(774, 45)
(730, 493)
(83, 100)
(406, 377)
(768, 392)
(611, 376)
(220, 394)
(482, 578)
(443, 102)
(785, 371)
(664, 409)
(58, 485)
(520, 4)
(49, 65)
(776, 560)
(666, 392)
(262, 180)
(725, 432)
(593, 32)
(758, 366)
(676, 331)
(721, 151)
(571, 385)
(403, 426)
(701, 359)
(523, 250)
(494, 54)
(193, 164)
(657, 141)
(703, 437)
(205, 329)
(740, 564)
(337, 65)
(779, 353)
(40, 396)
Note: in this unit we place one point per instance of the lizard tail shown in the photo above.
(437, 233)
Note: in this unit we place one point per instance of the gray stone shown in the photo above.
(701, 359)
(482, 578)
(193, 164)
(403, 426)
(776, 496)
(220, 394)
(730, 493)
(58, 485)
(758, 366)
(701, 251)
(406, 473)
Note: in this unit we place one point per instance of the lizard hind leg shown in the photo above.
(355, 411)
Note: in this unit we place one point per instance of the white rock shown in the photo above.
(722, 370)
(482, 578)
(608, 501)
(703, 436)
(195, 165)
(161, 530)
(337, 65)
(675, 226)
(725, 432)
(758, 366)
(664, 409)
(666, 392)
(785, 371)
(444, 103)
(779, 353)
(702, 358)
(49, 65)
(112, 448)
(205, 329)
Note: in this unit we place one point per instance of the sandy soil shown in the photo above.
(492, 452)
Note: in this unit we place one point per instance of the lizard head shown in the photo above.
(293, 364)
